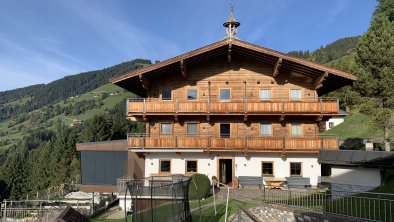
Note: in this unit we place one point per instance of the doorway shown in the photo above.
(226, 171)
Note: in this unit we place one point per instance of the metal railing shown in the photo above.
(37, 210)
(366, 205)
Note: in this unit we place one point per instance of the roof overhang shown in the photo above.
(333, 79)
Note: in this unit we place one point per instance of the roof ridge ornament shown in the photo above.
(231, 24)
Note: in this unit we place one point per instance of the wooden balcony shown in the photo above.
(238, 144)
(146, 107)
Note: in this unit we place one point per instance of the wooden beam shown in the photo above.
(183, 69)
(145, 82)
(276, 69)
(230, 46)
(319, 80)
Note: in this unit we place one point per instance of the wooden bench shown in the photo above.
(298, 182)
(250, 180)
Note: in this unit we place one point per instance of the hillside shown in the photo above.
(24, 100)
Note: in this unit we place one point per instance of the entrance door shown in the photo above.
(226, 171)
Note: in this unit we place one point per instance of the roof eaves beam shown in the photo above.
(319, 81)
(144, 82)
(230, 46)
(276, 69)
(183, 68)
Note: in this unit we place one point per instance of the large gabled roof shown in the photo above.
(334, 80)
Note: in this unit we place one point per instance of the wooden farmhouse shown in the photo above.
(232, 109)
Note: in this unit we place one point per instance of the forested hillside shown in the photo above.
(38, 96)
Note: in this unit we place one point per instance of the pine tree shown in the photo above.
(375, 68)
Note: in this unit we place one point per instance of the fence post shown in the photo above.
(5, 211)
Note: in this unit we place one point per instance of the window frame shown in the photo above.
(161, 94)
(266, 135)
(160, 169)
(197, 128)
(220, 95)
(297, 99)
(262, 170)
(301, 130)
(161, 128)
(187, 172)
(296, 175)
(330, 125)
(187, 94)
(269, 99)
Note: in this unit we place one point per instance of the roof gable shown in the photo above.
(327, 79)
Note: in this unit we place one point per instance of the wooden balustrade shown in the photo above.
(154, 107)
(257, 144)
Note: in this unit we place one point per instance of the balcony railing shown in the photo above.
(154, 106)
(214, 143)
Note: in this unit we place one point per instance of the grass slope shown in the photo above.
(355, 125)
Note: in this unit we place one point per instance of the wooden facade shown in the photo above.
(250, 100)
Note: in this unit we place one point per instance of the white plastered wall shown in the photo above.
(356, 176)
(244, 166)
(336, 120)
(251, 166)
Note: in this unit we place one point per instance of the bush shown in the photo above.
(199, 187)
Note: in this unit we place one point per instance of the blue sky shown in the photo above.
(44, 40)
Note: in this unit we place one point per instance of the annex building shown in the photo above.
(232, 109)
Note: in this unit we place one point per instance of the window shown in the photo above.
(330, 125)
(225, 130)
(265, 94)
(192, 128)
(295, 169)
(296, 130)
(265, 129)
(166, 128)
(165, 166)
(267, 168)
(224, 95)
(295, 94)
(192, 94)
(191, 166)
(165, 94)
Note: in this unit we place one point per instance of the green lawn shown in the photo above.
(165, 213)
(355, 126)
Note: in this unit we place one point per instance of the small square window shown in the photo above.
(166, 128)
(166, 94)
(224, 95)
(191, 166)
(192, 94)
(296, 130)
(330, 125)
(265, 94)
(265, 129)
(267, 168)
(165, 166)
(295, 169)
(192, 128)
(295, 94)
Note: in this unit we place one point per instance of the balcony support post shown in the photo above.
(176, 110)
(209, 100)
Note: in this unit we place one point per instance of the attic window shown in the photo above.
(192, 94)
